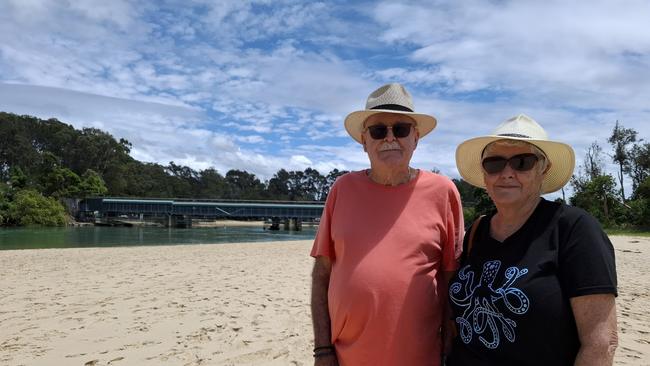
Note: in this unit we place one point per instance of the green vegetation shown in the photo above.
(54, 160)
(44, 161)
(28, 207)
(596, 191)
(629, 232)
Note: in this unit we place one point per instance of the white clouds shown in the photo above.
(260, 85)
(567, 52)
(118, 12)
(255, 20)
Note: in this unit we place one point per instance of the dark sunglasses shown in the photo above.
(521, 163)
(400, 130)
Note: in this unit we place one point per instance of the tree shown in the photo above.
(31, 208)
(466, 191)
(18, 179)
(643, 191)
(639, 167)
(183, 180)
(593, 190)
(92, 184)
(484, 204)
(243, 185)
(211, 184)
(594, 165)
(278, 186)
(597, 197)
(620, 139)
(313, 183)
(331, 177)
(591, 168)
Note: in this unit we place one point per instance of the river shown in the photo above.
(99, 236)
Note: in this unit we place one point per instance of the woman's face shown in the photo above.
(511, 187)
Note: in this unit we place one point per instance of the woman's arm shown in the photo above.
(596, 321)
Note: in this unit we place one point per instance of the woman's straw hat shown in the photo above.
(390, 98)
(519, 128)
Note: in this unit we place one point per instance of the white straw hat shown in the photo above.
(390, 98)
(519, 128)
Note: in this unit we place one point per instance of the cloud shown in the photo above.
(532, 49)
(260, 85)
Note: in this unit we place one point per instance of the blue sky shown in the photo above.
(264, 85)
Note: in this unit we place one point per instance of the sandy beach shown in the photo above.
(225, 304)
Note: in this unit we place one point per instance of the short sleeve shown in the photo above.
(455, 230)
(586, 259)
(323, 243)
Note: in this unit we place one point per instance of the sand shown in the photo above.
(225, 304)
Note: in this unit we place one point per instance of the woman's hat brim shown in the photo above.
(354, 121)
(561, 156)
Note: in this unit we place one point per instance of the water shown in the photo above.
(101, 236)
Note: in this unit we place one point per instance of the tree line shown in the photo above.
(44, 161)
(602, 194)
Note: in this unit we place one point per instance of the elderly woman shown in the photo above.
(538, 279)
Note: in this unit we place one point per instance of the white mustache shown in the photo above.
(390, 146)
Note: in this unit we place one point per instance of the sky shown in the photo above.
(264, 85)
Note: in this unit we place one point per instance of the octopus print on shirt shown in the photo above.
(481, 316)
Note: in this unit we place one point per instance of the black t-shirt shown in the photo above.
(510, 299)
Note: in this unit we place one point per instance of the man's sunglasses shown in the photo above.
(521, 163)
(400, 130)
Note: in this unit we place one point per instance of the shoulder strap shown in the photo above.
(472, 231)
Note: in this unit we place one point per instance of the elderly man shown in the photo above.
(387, 243)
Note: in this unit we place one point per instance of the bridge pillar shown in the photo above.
(275, 224)
(293, 224)
(179, 221)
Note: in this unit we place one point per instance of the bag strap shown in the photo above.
(472, 231)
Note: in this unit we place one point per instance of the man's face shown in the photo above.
(390, 151)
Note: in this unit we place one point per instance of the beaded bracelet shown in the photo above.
(323, 351)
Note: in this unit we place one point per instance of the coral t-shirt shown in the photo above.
(387, 245)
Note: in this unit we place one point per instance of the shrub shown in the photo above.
(31, 208)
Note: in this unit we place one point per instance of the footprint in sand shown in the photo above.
(115, 360)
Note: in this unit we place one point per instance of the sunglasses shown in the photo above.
(400, 130)
(520, 163)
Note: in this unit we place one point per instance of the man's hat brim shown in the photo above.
(354, 121)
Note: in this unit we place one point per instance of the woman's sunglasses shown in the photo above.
(400, 130)
(521, 163)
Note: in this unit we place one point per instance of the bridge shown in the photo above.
(180, 212)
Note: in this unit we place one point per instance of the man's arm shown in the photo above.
(320, 310)
(596, 321)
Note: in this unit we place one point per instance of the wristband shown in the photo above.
(323, 351)
(323, 347)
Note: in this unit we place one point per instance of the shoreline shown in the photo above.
(191, 304)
